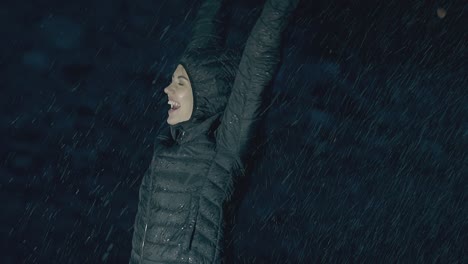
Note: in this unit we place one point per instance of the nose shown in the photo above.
(168, 89)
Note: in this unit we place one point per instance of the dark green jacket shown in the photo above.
(191, 176)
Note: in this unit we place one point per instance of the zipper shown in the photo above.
(181, 137)
(143, 243)
(193, 219)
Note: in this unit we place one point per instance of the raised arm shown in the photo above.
(257, 67)
(207, 33)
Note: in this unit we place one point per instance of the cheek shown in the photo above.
(181, 94)
(187, 97)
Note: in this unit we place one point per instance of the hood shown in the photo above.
(211, 76)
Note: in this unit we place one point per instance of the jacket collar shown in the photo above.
(188, 130)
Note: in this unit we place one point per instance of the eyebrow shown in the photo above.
(183, 77)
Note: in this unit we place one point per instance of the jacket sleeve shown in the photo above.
(207, 31)
(258, 64)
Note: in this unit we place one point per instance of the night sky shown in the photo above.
(361, 156)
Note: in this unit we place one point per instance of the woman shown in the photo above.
(196, 159)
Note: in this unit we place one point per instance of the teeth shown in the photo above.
(173, 104)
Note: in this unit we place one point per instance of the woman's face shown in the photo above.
(180, 97)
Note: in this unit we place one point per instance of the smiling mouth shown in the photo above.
(174, 106)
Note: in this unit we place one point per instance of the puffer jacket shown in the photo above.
(195, 165)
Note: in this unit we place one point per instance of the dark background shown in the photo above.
(362, 157)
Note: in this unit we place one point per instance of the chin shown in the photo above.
(171, 122)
